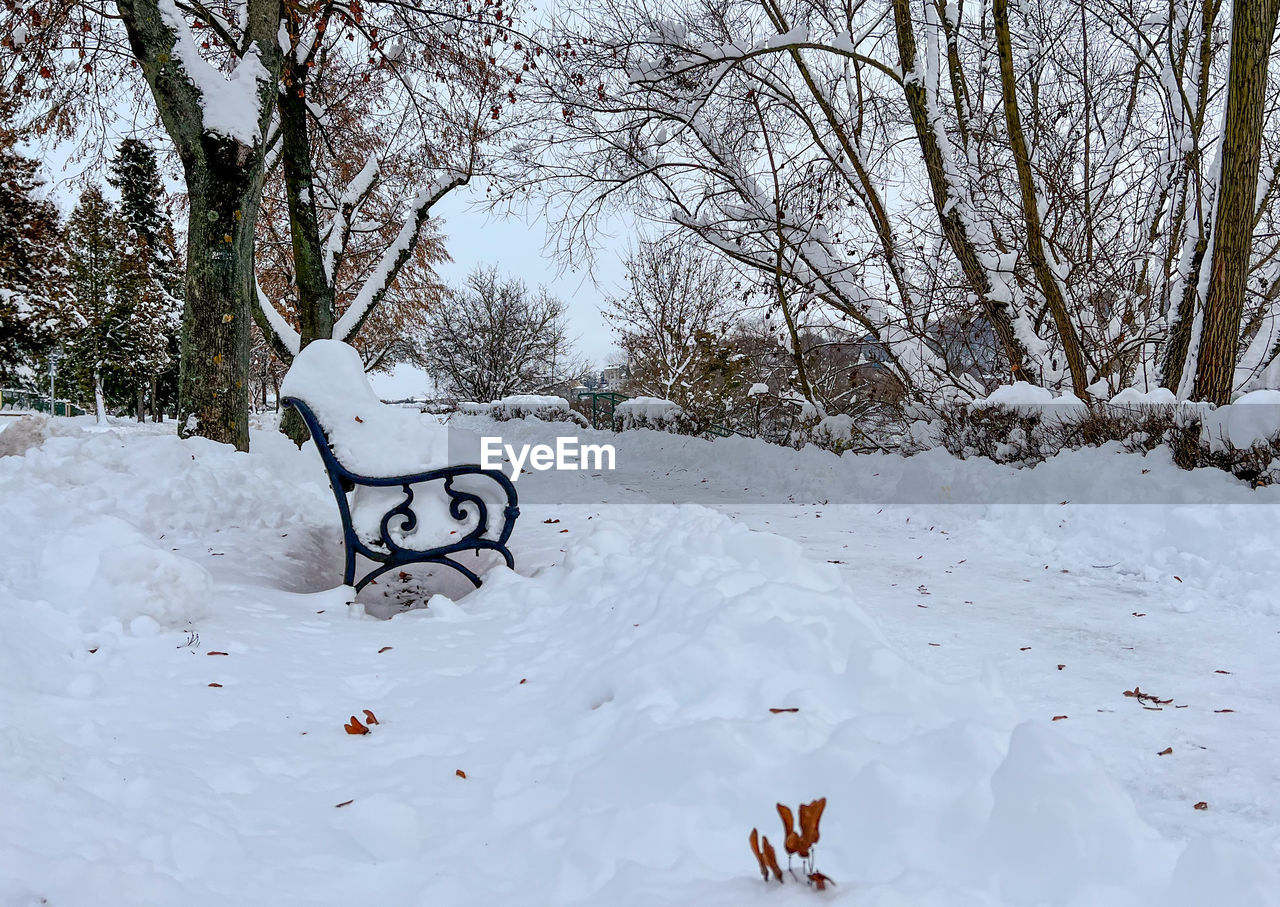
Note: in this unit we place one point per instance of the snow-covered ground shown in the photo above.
(609, 703)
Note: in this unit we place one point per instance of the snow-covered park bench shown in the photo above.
(400, 500)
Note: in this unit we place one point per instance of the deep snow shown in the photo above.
(652, 640)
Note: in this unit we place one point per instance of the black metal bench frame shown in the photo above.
(385, 551)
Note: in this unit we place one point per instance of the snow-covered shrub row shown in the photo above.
(1024, 425)
(522, 406)
(650, 412)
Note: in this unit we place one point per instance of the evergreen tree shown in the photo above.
(94, 319)
(30, 274)
(151, 274)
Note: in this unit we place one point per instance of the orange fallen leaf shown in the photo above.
(461, 774)
(215, 653)
(358, 419)
(1201, 805)
(563, 531)
(754, 840)
(810, 816)
(215, 685)
(1167, 751)
(1059, 717)
(369, 717)
(780, 711)
(820, 881)
(771, 858)
(790, 840)
(355, 727)
(343, 803)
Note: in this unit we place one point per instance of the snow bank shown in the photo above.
(611, 715)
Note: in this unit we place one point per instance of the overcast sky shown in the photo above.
(518, 247)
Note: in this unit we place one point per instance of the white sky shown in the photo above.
(518, 247)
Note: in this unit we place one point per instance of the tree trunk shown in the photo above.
(953, 226)
(140, 404)
(224, 186)
(1253, 24)
(213, 382)
(99, 401)
(1045, 275)
(316, 311)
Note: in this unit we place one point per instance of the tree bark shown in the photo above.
(953, 227)
(224, 186)
(1253, 24)
(1045, 275)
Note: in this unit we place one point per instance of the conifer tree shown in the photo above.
(94, 320)
(30, 274)
(151, 274)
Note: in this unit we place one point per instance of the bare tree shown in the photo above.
(674, 324)
(495, 337)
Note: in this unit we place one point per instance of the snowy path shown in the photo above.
(639, 749)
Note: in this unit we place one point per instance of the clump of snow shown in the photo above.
(1253, 418)
(1158, 396)
(366, 435)
(757, 389)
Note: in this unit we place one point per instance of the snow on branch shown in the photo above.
(230, 104)
(375, 287)
(282, 329)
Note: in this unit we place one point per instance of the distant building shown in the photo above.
(614, 377)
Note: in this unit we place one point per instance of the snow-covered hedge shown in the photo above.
(1023, 425)
(546, 408)
(647, 412)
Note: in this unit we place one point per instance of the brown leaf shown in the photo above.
(810, 816)
(355, 727)
(215, 653)
(771, 858)
(1024, 649)
(1221, 672)
(343, 803)
(215, 685)
(754, 840)
(384, 649)
(790, 840)
(820, 881)
(358, 419)
(1060, 667)
(461, 774)
(1201, 805)
(523, 680)
(1167, 751)
(780, 711)
(369, 717)
(550, 521)
(1222, 711)
(1059, 717)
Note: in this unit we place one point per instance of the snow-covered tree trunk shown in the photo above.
(99, 400)
(1252, 30)
(217, 123)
